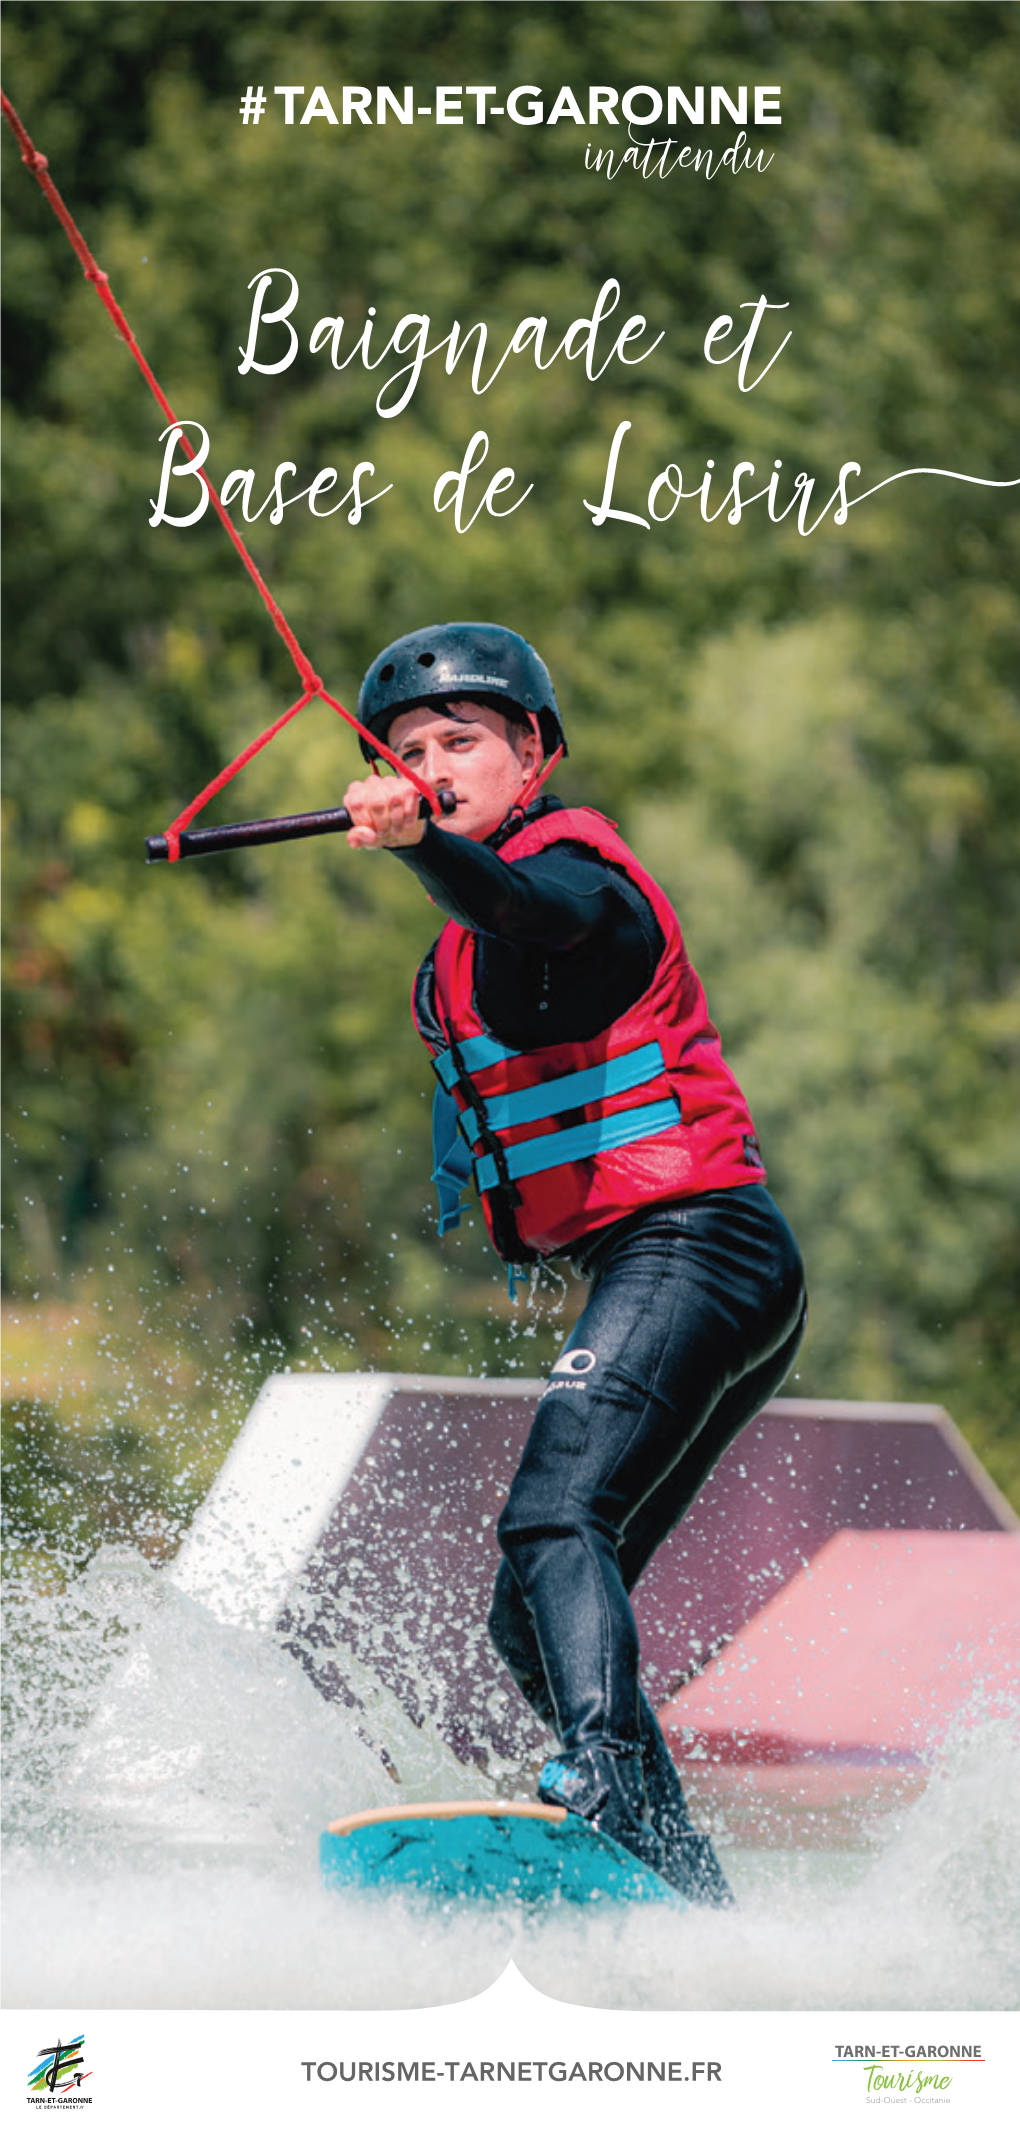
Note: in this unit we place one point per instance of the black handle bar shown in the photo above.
(263, 832)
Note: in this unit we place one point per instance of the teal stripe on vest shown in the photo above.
(534, 1154)
(476, 1053)
(578, 1089)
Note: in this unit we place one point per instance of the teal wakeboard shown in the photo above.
(486, 1850)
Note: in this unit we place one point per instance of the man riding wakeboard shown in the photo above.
(582, 1082)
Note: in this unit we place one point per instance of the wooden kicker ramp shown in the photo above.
(356, 1515)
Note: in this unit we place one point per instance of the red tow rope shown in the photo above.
(313, 687)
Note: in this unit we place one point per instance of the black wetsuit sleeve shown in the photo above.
(565, 942)
(560, 898)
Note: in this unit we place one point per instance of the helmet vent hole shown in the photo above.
(385, 674)
(425, 661)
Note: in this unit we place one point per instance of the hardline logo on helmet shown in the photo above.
(500, 682)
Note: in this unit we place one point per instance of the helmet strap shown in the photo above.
(537, 780)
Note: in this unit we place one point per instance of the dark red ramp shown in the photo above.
(830, 1705)
(867, 1656)
(357, 1515)
(799, 1473)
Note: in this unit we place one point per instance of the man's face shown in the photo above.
(473, 750)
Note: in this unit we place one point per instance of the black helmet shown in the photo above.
(459, 661)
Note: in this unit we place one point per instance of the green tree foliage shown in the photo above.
(212, 1083)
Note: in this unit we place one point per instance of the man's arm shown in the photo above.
(559, 899)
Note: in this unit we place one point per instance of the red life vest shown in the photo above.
(579, 1135)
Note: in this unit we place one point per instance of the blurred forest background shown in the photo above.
(217, 1139)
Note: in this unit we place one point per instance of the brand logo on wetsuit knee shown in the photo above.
(579, 1362)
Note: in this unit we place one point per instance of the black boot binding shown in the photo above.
(604, 1786)
(688, 1860)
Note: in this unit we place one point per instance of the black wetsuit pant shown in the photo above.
(694, 1318)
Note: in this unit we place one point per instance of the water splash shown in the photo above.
(167, 1779)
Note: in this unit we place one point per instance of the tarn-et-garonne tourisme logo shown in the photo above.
(915, 2072)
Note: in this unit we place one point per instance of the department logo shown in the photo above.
(59, 2071)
